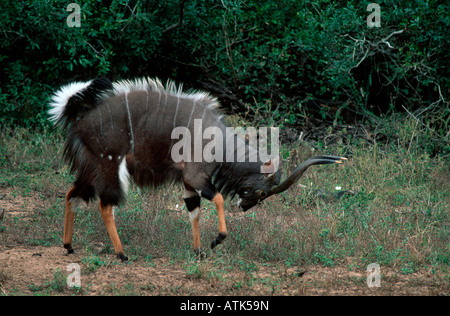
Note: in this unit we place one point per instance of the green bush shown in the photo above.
(302, 59)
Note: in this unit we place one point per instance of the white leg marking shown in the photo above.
(188, 194)
(124, 176)
(75, 203)
(194, 214)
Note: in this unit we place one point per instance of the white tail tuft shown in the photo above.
(59, 100)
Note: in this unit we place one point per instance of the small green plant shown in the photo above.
(94, 262)
(49, 287)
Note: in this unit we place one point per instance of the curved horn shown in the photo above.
(298, 172)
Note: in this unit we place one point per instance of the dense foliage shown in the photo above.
(296, 59)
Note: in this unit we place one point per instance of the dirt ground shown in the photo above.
(26, 270)
(32, 270)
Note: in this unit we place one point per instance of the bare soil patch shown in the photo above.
(30, 270)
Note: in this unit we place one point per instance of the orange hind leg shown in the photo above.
(68, 222)
(108, 219)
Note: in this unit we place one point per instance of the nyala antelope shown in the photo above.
(122, 130)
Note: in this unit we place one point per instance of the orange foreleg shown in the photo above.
(218, 200)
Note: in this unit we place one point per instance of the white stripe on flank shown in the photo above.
(159, 102)
(176, 112)
(130, 123)
(101, 121)
(110, 116)
(199, 132)
(192, 112)
(164, 112)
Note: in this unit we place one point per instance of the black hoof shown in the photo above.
(69, 249)
(200, 254)
(122, 257)
(218, 240)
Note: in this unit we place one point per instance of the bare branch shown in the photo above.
(371, 47)
(384, 40)
(180, 20)
(392, 34)
(132, 16)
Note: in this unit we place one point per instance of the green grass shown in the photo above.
(399, 218)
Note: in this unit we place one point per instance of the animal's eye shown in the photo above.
(262, 194)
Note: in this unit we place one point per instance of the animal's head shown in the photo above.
(256, 183)
(257, 186)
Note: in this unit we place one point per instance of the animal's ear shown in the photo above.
(271, 166)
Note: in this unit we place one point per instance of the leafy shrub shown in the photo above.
(303, 59)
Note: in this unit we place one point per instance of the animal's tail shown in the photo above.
(72, 100)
